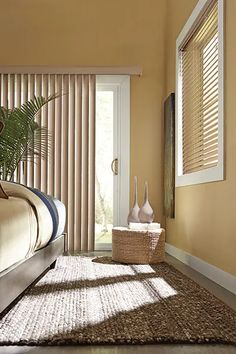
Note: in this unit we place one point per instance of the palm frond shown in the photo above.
(22, 138)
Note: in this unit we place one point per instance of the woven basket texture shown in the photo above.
(138, 247)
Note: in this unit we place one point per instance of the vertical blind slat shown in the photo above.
(91, 181)
(4, 95)
(17, 100)
(71, 160)
(51, 127)
(84, 179)
(78, 161)
(24, 98)
(64, 144)
(44, 124)
(57, 145)
(37, 160)
(31, 92)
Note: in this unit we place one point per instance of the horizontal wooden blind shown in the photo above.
(199, 69)
(68, 171)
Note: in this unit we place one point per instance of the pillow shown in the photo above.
(2, 193)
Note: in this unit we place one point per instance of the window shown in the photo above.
(199, 135)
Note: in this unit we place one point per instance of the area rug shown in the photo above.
(96, 301)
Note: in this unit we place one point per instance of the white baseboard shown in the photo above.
(227, 280)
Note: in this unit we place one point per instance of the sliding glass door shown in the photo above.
(112, 157)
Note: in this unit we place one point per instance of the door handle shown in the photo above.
(114, 166)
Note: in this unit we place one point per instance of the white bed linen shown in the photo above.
(25, 224)
(18, 231)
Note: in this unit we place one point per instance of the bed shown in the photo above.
(31, 237)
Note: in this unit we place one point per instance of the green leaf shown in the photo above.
(22, 138)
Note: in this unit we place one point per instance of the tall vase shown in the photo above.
(133, 215)
(146, 214)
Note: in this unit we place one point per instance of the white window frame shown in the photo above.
(214, 173)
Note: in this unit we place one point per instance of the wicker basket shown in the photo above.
(138, 247)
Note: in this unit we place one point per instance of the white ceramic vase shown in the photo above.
(146, 214)
(134, 212)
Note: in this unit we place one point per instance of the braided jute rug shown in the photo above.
(96, 301)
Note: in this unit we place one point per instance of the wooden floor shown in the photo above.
(217, 290)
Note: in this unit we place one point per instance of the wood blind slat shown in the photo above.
(200, 136)
(198, 111)
(200, 167)
(197, 149)
(201, 129)
(190, 144)
(201, 161)
(201, 154)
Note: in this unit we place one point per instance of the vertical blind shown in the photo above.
(199, 70)
(68, 171)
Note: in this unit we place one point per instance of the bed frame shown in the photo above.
(14, 280)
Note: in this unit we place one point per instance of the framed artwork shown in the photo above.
(169, 156)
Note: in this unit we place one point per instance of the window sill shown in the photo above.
(205, 176)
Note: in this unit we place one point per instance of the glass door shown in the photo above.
(112, 157)
(103, 174)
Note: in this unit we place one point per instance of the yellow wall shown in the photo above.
(99, 33)
(205, 222)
